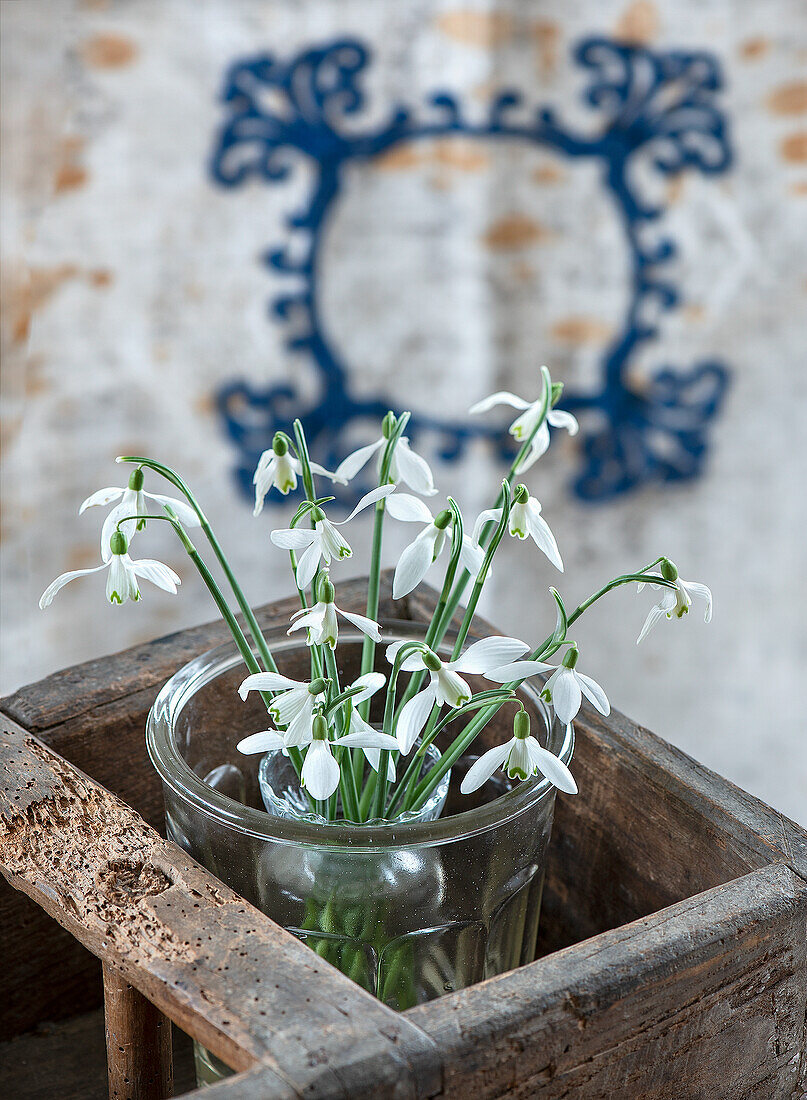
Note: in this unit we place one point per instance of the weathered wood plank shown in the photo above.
(651, 827)
(94, 715)
(706, 998)
(216, 966)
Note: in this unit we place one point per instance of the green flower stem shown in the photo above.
(443, 623)
(243, 645)
(374, 580)
(255, 630)
(476, 592)
(544, 650)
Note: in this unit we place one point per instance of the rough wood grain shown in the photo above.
(138, 1043)
(704, 999)
(94, 715)
(218, 968)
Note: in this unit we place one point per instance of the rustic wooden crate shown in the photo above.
(672, 941)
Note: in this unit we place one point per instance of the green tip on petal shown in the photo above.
(136, 479)
(118, 544)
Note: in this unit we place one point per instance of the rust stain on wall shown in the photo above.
(580, 330)
(70, 172)
(108, 51)
(476, 28)
(404, 158)
(515, 231)
(461, 154)
(789, 99)
(547, 40)
(638, 24)
(794, 148)
(754, 48)
(548, 173)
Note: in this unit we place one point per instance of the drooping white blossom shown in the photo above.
(565, 687)
(675, 602)
(446, 686)
(323, 542)
(406, 466)
(426, 547)
(134, 502)
(525, 521)
(521, 757)
(322, 623)
(525, 424)
(121, 581)
(279, 469)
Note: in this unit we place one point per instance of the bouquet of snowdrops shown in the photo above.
(349, 768)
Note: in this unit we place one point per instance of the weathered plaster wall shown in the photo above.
(133, 288)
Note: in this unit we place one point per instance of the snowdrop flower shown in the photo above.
(525, 424)
(522, 756)
(134, 503)
(405, 466)
(674, 602)
(414, 562)
(323, 542)
(321, 620)
(564, 689)
(525, 520)
(292, 707)
(446, 686)
(278, 468)
(320, 774)
(121, 582)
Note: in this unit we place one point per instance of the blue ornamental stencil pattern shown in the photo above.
(282, 113)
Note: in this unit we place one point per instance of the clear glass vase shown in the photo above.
(409, 909)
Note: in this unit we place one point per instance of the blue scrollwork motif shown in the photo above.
(308, 109)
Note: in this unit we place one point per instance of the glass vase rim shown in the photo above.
(177, 774)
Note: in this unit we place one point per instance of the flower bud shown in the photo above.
(668, 570)
(521, 494)
(521, 725)
(118, 544)
(316, 687)
(319, 728)
(388, 424)
(432, 661)
(570, 660)
(327, 592)
(136, 479)
(442, 519)
(279, 444)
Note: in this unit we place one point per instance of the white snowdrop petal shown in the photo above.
(307, 564)
(320, 773)
(101, 497)
(566, 695)
(550, 766)
(266, 741)
(413, 564)
(292, 538)
(594, 693)
(412, 719)
(47, 596)
(161, 575)
(350, 466)
(490, 653)
(414, 470)
(502, 397)
(365, 625)
(266, 681)
(408, 509)
(518, 670)
(482, 769)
